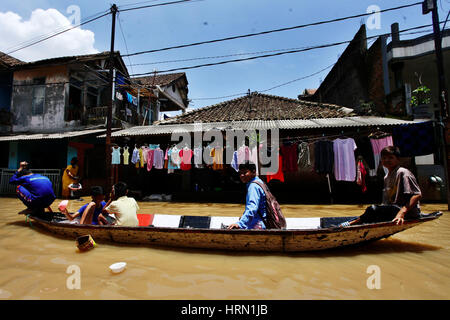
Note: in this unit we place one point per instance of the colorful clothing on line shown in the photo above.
(344, 159)
(126, 155)
(115, 159)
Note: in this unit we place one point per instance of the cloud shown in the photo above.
(16, 31)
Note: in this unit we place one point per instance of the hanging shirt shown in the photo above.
(150, 154)
(126, 155)
(344, 159)
(115, 155)
(324, 156)
(279, 174)
(289, 153)
(377, 146)
(186, 156)
(234, 161)
(158, 159)
(304, 159)
(361, 176)
(198, 161)
(243, 154)
(253, 157)
(217, 155)
(135, 156)
(364, 149)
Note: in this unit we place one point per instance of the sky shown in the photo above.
(202, 20)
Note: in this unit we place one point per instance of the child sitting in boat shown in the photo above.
(89, 213)
(401, 193)
(75, 188)
(123, 208)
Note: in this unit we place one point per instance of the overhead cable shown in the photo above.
(270, 31)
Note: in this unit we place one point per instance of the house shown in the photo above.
(164, 93)
(380, 80)
(283, 119)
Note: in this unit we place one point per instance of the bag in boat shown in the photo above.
(274, 217)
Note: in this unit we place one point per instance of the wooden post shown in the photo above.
(108, 166)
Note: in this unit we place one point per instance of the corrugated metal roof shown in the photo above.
(259, 125)
(60, 135)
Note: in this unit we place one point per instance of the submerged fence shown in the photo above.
(9, 189)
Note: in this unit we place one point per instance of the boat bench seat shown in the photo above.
(302, 223)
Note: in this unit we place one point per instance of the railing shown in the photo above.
(97, 113)
(9, 189)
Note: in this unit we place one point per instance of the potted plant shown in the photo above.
(420, 101)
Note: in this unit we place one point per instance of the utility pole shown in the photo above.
(108, 166)
(427, 6)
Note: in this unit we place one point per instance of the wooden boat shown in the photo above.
(301, 234)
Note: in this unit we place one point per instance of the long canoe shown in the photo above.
(301, 234)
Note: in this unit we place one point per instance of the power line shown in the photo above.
(124, 40)
(235, 54)
(50, 33)
(58, 33)
(269, 55)
(158, 5)
(271, 31)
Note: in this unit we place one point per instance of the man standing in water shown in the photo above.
(255, 206)
(401, 193)
(34, 190)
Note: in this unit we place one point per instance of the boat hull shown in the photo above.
(236, 239)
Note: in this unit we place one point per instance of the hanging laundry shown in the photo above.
(344, 159)
(235, 162)
(217, 155)
(198, 157)
(186, 157)
(377, 145)
(364, 149)
(324, 156)
(129, 98)
(304, 159)
(150, 153)
(115, 155)
(135, 156)
(414, 139)
(279, 174)
(158, 158)
(289, 153)
(174, 159)
(361, 176)
(243, 154)
(126, 155)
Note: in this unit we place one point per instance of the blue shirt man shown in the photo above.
(34, 190)
(255, 204)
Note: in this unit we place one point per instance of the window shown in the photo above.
(37, 105)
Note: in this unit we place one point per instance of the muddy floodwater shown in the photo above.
(413, 264)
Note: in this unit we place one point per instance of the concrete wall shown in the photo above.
(55, 99)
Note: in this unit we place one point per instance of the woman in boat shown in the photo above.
(70, 176)
(255, 204)
(401, 193)
(34, 190)
(88, 214)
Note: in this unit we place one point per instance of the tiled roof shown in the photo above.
(8, 61)
(159, 79)
(257, 106)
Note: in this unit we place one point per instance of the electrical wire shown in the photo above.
(158, 5)
(271, 31)
(269, 55)
(57, 34)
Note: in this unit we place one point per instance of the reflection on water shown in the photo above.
(413, 264)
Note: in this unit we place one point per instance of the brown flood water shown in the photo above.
(413, 264)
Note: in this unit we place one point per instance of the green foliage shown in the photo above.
(420, 95)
